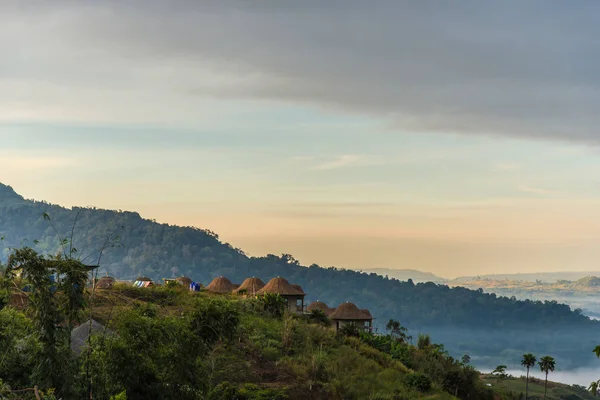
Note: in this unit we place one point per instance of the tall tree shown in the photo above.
(528, 361)
(55, 300)
(593, 388)
(397, 331)
(547, 364)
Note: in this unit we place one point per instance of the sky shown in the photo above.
(452, 137)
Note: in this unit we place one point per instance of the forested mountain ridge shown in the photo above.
(406, 274)
(465, 320)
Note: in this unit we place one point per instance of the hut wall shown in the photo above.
(360, 324)
(295, 304)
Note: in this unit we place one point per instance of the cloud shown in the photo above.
(537, 190)
(506, 166)
(33, 163)
(343, 161)
(524, 69)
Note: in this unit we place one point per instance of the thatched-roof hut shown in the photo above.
(293, 295)
(250, 286)
(349, 313)
(80, 335)
(184, 280)
(220, 285)
(143, 281)
(298, 287)
(319, 305)
(280, 286)
(106, 282)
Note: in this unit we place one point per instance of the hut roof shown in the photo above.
(106, 282)
(144, 279)
(298, 287)
(280, 286)
(319, 305)
(250, 285)
(81, 334)
(184, 280)
(367, 313)
(349, 311)
(220, 285)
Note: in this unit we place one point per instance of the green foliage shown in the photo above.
(528, 360)
(349, 329)
(430, 360)
(153, 357)
(214, 319)
(252, 392)
(418, 381)
(319, 317)
(397, 331)
(55, 302)
(249, 391)
(273, 304)
(500, 371)
(547, 364)
(120, 396)
(19, 347)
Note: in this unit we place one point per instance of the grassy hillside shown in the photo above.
(170, 343)
(488, 327)
(514, 388)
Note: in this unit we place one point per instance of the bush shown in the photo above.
(273, 304)
(418, 381)
(249, 391)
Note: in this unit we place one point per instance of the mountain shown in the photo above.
(486, 326)
(406, 274)
(548, 277)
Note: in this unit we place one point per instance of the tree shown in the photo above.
(349, 330)
(397, 331)
(424, 342)
(547, 364)
(466, 359)
(528, 361)
(500, 371)
(593, 388)
(55, 301)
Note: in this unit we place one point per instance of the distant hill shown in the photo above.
(549, 277)
(486, 326)
(587, 282)
(406, 274)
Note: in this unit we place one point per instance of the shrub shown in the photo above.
(418, 381)
(273, 304)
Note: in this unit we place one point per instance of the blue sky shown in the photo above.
(405, 136)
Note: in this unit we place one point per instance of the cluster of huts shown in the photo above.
(346, 313)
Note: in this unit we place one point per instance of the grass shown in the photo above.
(514, 386)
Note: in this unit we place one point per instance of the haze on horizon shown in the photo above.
(453, 138)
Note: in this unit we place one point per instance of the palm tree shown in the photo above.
(547, 364)
(528, 361)
(593, 388)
